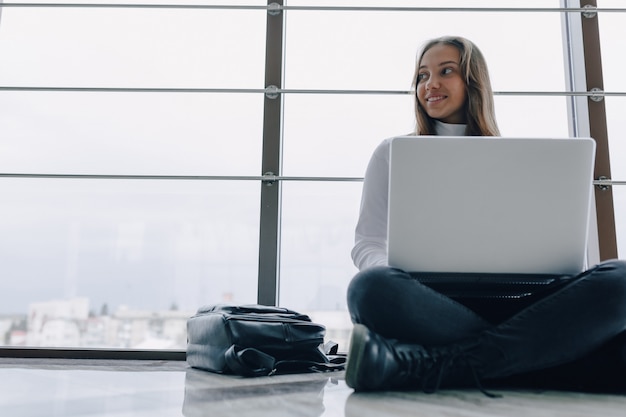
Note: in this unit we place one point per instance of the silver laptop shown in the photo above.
(489, 205)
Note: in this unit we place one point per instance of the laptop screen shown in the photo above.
(489, 204)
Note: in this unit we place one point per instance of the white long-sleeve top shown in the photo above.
(370, 248)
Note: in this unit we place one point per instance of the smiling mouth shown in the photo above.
(435, 99)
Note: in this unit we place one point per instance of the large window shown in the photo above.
(133, 141)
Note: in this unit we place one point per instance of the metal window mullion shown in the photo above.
(273, 90)
(269, 226)
(275, 6)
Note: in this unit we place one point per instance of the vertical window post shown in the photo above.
(598, 129)
(269, 233)
(587, 116)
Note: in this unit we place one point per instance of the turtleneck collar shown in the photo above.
(447, 129)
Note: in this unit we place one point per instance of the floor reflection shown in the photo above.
(165, 389)
(206, 395)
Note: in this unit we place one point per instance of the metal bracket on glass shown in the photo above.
(597, 94)
(269, 179)
(271, 92)
(274, 9)
(590, 11)
(603, 183)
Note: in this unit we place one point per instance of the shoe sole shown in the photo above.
(355, 356)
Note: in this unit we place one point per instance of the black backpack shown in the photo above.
(256, 340)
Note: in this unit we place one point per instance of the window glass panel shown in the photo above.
(131, 133)
(317, 237)
(617, 136)
(613, 61)
(619, 200)
(122, 263)
(533, 116)
(616, 126)
(132, 47)
(376, 50)
(338, 137)
(611, 26)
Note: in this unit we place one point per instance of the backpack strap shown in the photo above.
(249, 361)
(253, 362)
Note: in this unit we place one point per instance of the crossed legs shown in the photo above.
(562, 327)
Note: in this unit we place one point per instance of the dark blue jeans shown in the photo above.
(563, 326)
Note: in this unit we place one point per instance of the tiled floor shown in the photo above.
(151, 388)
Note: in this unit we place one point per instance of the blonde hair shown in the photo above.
(481, 120)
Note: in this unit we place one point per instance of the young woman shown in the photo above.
(407, 335)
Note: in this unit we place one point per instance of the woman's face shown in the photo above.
(440, 86)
